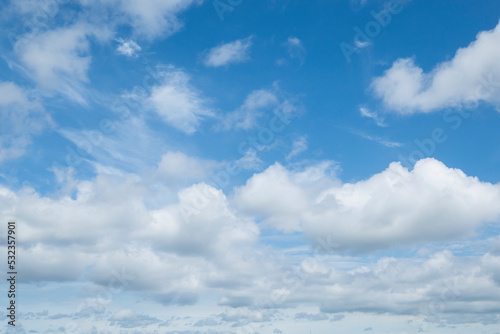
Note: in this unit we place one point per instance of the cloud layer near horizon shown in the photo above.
(204, 242)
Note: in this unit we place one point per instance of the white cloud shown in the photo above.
(17, 128)
(245, 117)
(365, 112)
(299, 146)
(177, 102)
(112, 229)
(202, 214)
(177, 166)
(432, 289)
(250, 161)
(472, 76)
(282, 196)
(155, 18)
(295, 48)
(394, 208)
(293, 42)
(55, 53)
(257, 104)
(361, 45)
(59, 59)
(10, 93)
(149, 19)
(437, 289)
(199, 245)
(382, 141)
(128, 48)
(229, 53)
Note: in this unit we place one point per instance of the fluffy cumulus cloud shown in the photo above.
(180, 248)
(194, 225)
(229, 53)
(284, 248)
(281, 196)
(470, 77)
(200, 244)
(396, 207)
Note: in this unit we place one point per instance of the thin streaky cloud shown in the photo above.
(365, 112)
(380, 140)
(299, 145)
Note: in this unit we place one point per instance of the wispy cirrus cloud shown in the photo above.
(377, 139)
(149, 19)
(22, 116)
(298, 146)
(365, 112)
(246, 116)
(257, 104)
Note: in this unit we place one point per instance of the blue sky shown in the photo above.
(190, 166)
